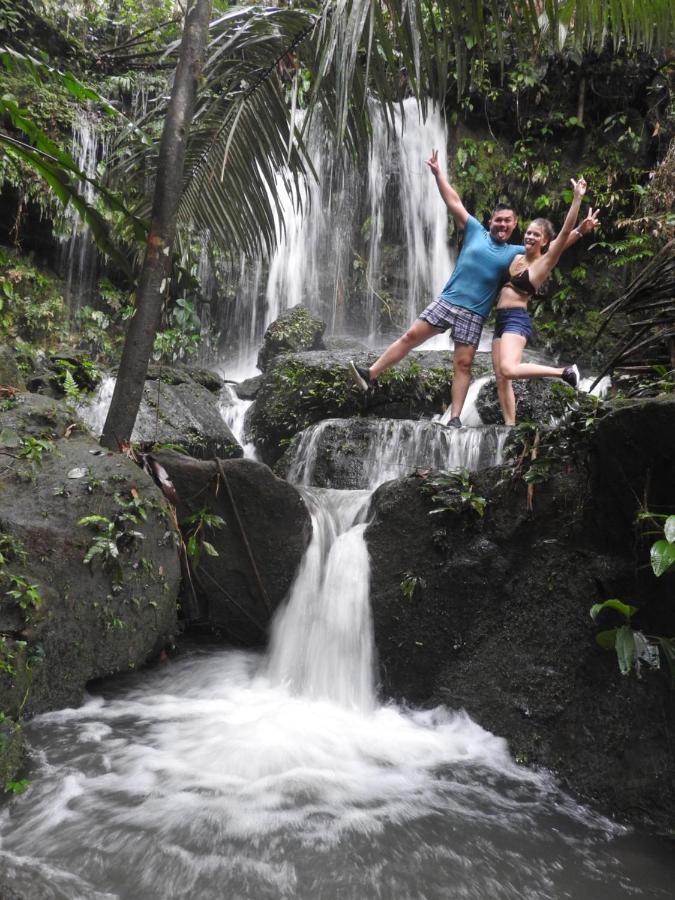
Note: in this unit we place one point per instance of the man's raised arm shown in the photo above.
(450, 196)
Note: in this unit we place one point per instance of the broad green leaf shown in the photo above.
(93, 520)
(606, 639)
(93, 551)
(625, 648)
(624, 608)
(210, 549)
(669, 529)
(662, 557)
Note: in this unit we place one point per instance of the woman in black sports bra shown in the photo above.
(525, 276)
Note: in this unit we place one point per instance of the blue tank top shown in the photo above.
(480, 269)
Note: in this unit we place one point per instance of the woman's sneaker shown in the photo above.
(571, 376)
(361, 377)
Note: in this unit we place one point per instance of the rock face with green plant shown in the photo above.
(300, 389)
(488, 605)
(89, 566)
(245, 532)
(537, 400)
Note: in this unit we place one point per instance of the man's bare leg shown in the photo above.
(507, 399)
(462, 358)
(419, 332)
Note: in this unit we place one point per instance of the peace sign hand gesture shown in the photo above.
(432, 162)
(590, 221)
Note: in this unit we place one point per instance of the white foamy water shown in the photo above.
(392, 448)
(204, 779)
(322, 643)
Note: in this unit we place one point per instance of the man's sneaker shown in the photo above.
(455, 422)
(361, 377)
(571, 376)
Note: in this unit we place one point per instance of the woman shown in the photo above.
(526, 274)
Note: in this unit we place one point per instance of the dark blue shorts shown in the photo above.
(513, 321)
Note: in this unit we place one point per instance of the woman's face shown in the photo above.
(534, 237)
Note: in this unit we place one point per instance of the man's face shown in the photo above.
(502, 223)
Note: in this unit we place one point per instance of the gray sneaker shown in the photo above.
(455, 422)
(361, 377)
(571, 376)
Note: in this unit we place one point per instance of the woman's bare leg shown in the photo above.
(511, 354)
(419, 332)
(507, 399)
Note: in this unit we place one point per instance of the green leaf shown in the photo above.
(93, 551)
(94, 520)
(669, 529)
(606, 639)
(625, 648)
(662, 557)
(210, 549)
(624, 608)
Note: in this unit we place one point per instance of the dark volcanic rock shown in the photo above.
(537, 399)
(492, 614)
(248, 389)
(98, 618)
(303, 388)
(295, 330)
(185, 414)
(267, 529)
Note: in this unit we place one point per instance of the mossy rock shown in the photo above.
(295, 330)
(301, 389)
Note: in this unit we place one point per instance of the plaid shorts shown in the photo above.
(465, 326)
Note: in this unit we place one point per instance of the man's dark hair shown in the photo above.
(501, 206)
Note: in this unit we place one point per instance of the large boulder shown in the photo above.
(176, 410)
(64, 621)
(295, 330)
(263, 535)
(303, 388)
(491, 612)
(537, 400)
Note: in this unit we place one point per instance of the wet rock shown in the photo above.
(180, 373)
(265, 531)
(248, 389)
(187, 415)
(537, 399)
(491, 613)
(295, 330)
(301, 389)
(91, 619)
(10, 374)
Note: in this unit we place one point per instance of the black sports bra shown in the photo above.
(521, 283)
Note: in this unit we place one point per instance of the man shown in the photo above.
(466, 299)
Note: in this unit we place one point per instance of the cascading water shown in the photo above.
(79, 256)
(339, 229)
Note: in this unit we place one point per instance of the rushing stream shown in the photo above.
(231, 774)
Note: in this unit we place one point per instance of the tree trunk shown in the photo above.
(154, 275)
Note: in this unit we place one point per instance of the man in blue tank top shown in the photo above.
(466, 299)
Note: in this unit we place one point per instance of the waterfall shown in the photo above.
(339, 229)
(321, 644)
(390, 448)
(79, 256)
